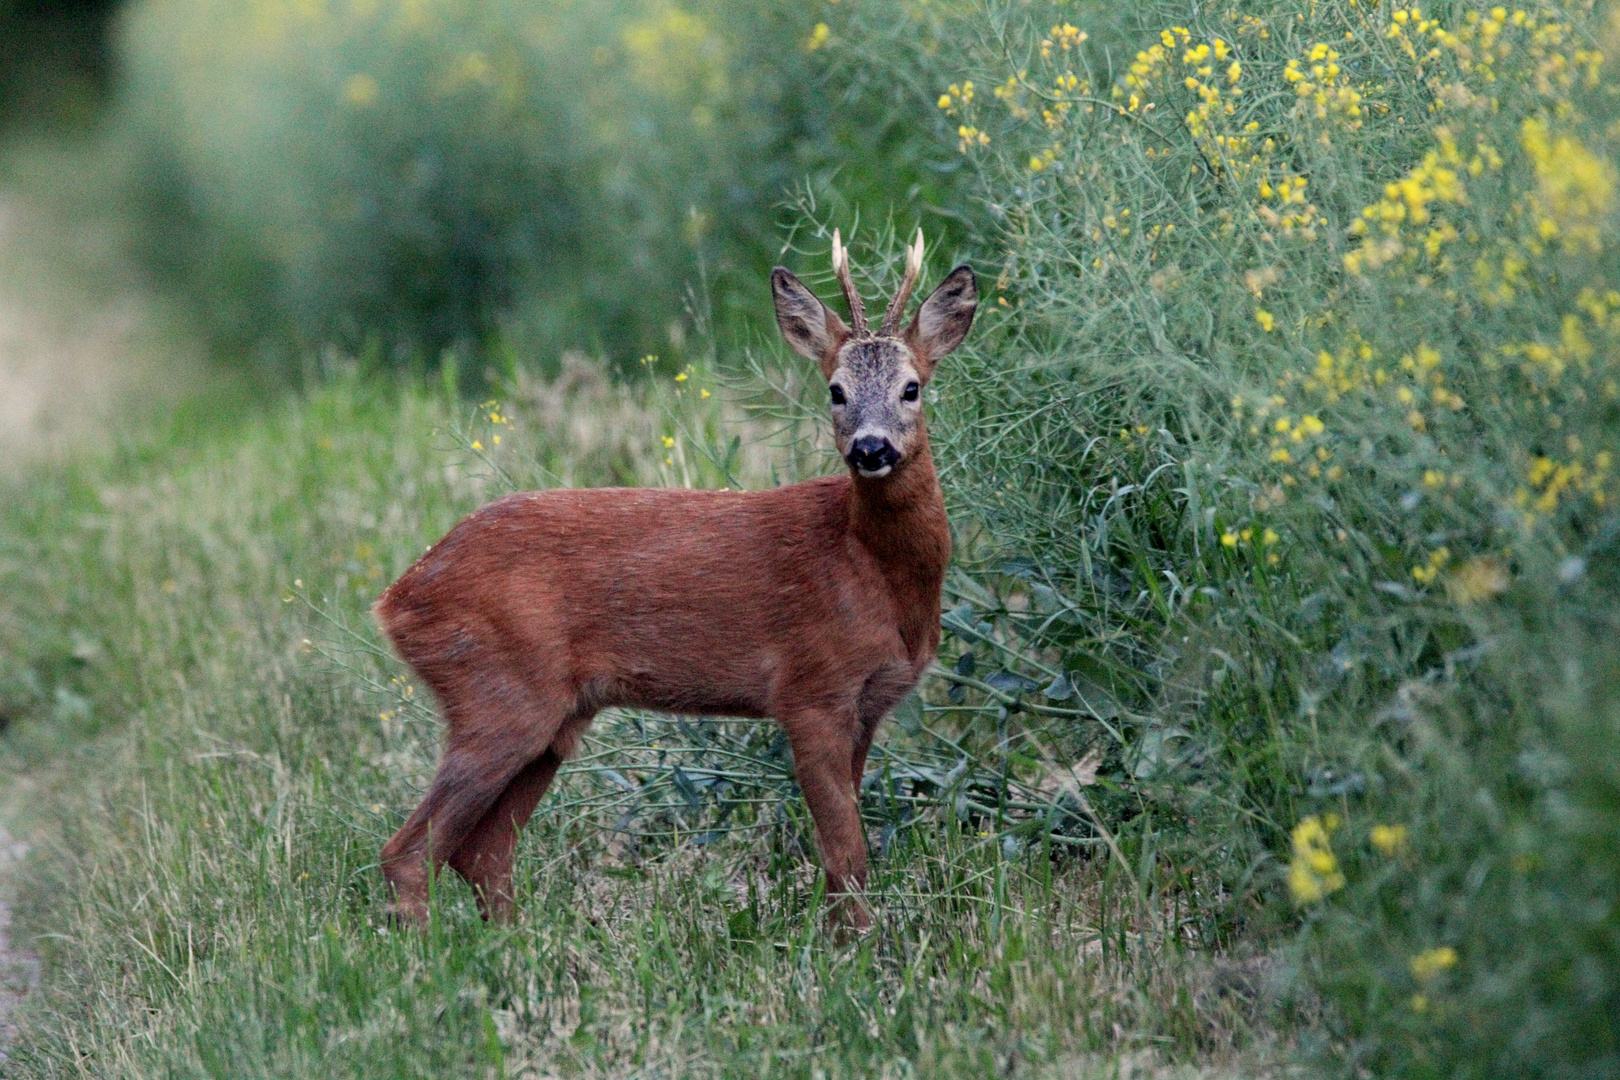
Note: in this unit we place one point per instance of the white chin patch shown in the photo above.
(874, 473)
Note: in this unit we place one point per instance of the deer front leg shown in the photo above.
(823, 749)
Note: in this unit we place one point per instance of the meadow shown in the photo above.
(1273, 731)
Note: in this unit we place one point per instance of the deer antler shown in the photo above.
(840, 261)
(897, 306)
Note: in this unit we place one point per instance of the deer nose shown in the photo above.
(871, 454)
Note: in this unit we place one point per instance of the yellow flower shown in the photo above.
(668, 441)
(477, 445)
(1429, 963)
(967, 135)
(681, 377)
(1264, 318)
(1229, 539)
(1314, 871)
(818, 37)
(1389, 839)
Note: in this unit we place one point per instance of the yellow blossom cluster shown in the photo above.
(1506, 181)
(959, 96)
(1250, 25)
(968, 136)
(956, 100)
(1292, 213)
(1426, 572)
(1013, 93)
(1550, 479)
(1314, 871)
(1324, 88)
(1544, 363)
(1144, 71)
(1427, 236)
(1429, 964)
(1575, 188)
(1214, 72)
(1408, 201)
(1063, 36)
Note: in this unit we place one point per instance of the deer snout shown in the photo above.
(872, 455)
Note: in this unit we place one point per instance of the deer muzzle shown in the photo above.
(872, 455)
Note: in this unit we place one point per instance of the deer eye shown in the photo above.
(910, 392)
(837, 393)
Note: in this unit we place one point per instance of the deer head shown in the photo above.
(875, 380)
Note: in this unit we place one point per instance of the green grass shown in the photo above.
(205, 881)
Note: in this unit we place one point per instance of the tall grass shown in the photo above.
(214, 892)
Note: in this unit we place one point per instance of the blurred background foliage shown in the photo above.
(413, 176)
(1281, 458)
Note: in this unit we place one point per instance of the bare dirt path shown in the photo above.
(19, 968)
(82, 339)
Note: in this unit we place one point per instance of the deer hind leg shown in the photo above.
(485, 857)
(823, 752)
(499, 737)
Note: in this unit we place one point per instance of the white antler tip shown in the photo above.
(914, 257)
(837, 252)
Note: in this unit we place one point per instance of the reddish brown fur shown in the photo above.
(816, 604)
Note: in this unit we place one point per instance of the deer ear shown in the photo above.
(810, 327)
(943, 320)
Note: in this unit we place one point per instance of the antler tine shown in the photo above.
(840, 261)
(897, 306)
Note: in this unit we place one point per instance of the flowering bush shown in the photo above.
(1293, 446)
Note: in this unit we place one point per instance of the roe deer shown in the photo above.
(817, 603)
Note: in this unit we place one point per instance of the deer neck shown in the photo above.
(900, 519)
